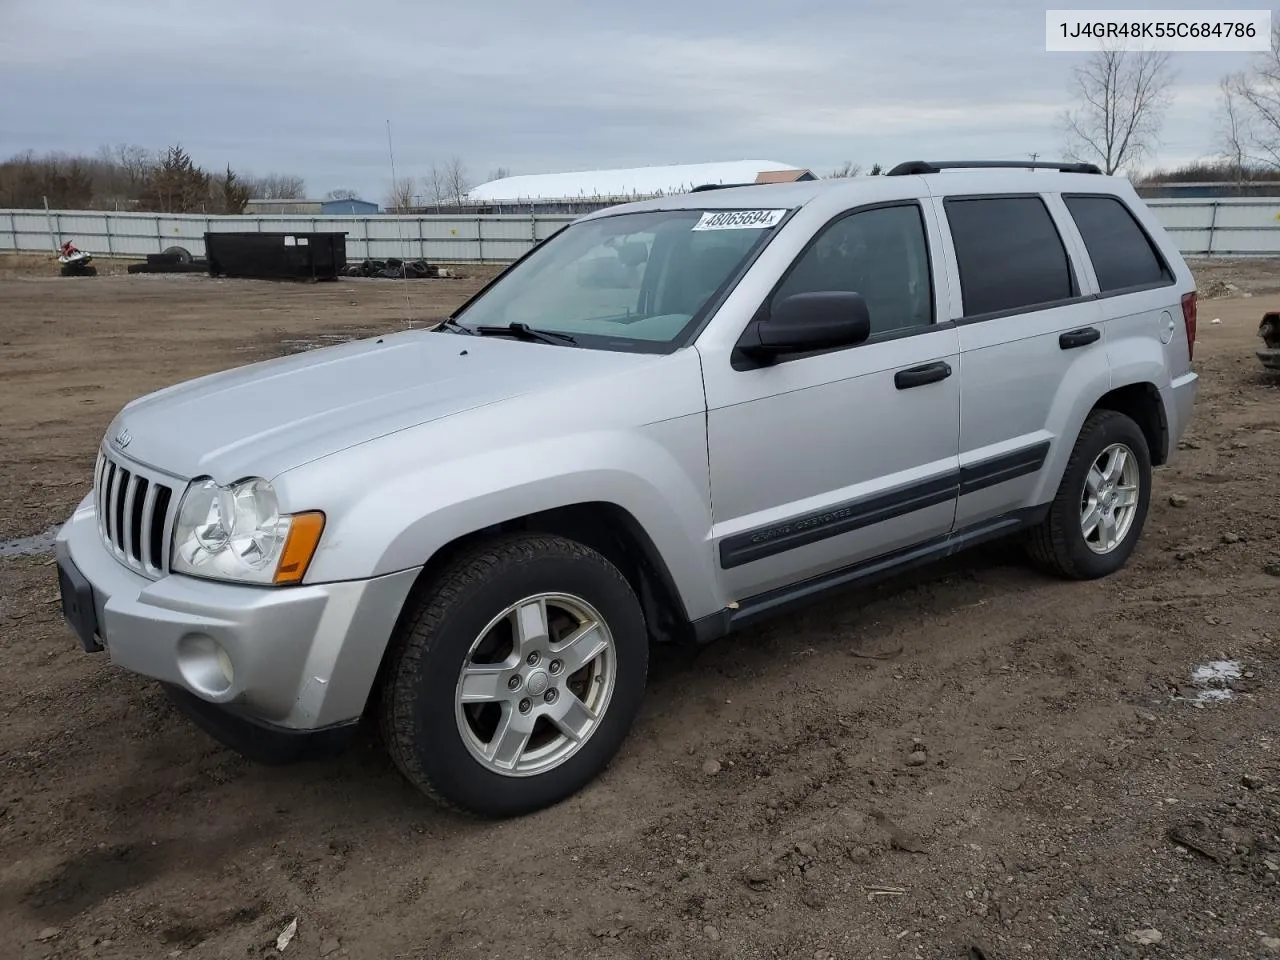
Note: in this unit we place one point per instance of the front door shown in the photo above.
(819, 461)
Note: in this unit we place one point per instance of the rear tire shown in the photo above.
(514, 645)
(1096, 518)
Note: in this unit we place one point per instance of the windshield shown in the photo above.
(631, 281)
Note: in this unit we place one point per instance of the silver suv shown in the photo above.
(672, 419)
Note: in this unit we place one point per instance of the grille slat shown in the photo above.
(142, 539)
(113, 475)
(117, 507)
(99, 472)
(162, 520)
(140, 487)
(134, 515)
(126, 514)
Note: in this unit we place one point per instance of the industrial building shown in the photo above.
(313, 208)
(586, 190)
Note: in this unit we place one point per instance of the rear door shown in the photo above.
(1137, 292)
(1030, 342)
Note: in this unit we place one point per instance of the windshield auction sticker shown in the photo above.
(739, 219)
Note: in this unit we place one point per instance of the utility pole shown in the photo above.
(48, 217)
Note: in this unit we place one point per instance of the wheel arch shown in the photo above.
(1139, 399)
(605, 527)
(1141, 403)
(610, 530)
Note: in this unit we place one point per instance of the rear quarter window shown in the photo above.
(1009, 254)
(1123, 255)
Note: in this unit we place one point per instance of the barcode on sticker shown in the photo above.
(739, 219)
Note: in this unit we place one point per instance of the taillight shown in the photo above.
(1189, 318)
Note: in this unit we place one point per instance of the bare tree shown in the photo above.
(134, 160)
(1233, 125)
(1250, 109)
(342, 193)
(403, 191)
(446, 184)
(846, 169)
(499, 173)
(277, 186)
(434, 186)
(453, 176)
(1121, 100)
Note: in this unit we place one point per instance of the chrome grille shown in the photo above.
(135, 513)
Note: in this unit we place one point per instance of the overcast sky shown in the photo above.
(307, 87)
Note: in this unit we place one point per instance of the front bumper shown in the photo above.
(301, 658)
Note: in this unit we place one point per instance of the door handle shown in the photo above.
(919, 376)
(1079, 338)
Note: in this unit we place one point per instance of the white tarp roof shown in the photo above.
(637, 181)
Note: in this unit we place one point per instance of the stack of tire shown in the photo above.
(172, 260)
(395, 269)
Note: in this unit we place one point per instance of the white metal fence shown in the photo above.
(448, 238)
(1235, 226)
(1215, 227)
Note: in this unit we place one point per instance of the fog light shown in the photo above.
(205, 665)
(224, 661)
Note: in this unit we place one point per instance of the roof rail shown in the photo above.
(909, 167)
(720, 186)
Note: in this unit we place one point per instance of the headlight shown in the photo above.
(238, 533)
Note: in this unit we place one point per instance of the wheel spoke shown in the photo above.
(509, 739)
(1089, 522)
(581, 647)
(1109, 529)
(1126, 496)
(1094, 480)
(531, 625)
(572, 717)
(483, 683)
(1115, 468)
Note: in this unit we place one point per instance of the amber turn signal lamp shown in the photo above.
(299, 547)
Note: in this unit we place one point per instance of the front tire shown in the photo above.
(515, 676)
(1096, 518)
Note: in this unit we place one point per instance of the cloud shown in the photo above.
(563, 84)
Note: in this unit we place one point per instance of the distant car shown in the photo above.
(1269, 331)
(671, 420)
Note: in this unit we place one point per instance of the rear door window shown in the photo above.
(1123, 255)
(1009, 254)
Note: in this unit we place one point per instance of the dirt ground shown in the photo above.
(971, 762)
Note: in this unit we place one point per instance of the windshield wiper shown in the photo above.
(524, 332)
(448, 323)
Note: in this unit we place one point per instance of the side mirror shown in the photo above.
(811, 321)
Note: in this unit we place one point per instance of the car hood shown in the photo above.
(264, 418)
